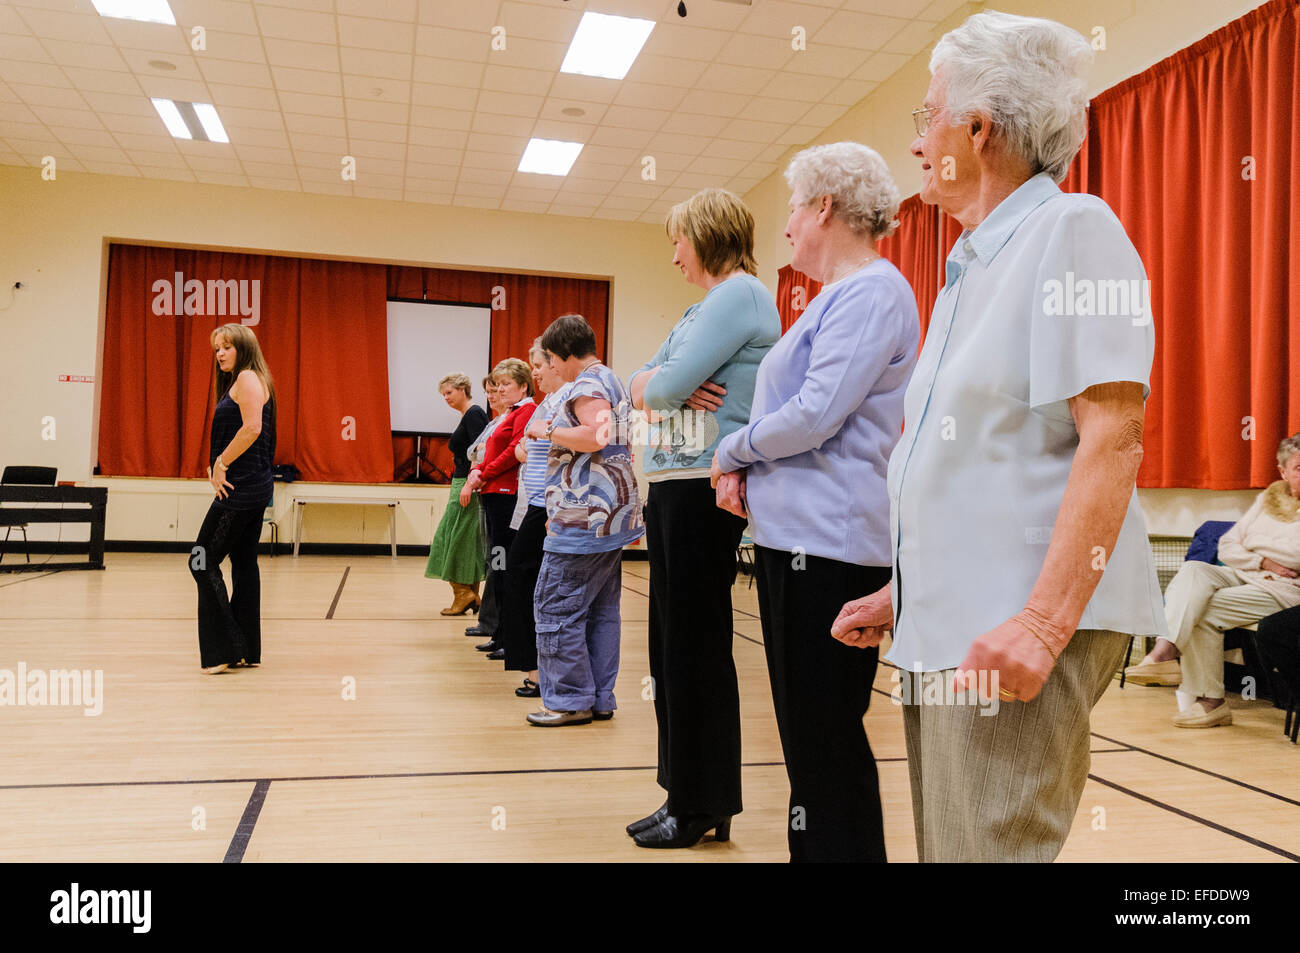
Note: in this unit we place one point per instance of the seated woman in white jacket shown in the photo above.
(1260, 575)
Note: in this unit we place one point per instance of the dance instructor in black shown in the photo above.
(243, 444)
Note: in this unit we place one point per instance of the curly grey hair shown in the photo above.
(1029, 75)
(863, 193)
(1287, 449)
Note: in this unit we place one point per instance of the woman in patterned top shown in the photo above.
(593, 510)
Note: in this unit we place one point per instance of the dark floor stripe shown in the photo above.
(1192, 767)
(360, 777)
(1263, 845)
(334, 605)
(742, 635)
(27, 577)
(239, 843)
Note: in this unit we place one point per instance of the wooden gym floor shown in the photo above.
(433, 759)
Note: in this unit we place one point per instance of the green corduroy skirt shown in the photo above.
(457, 553)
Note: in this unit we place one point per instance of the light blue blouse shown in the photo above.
(1044, 299)
(721, 338)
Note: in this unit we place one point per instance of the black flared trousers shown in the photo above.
(821, 689)
(497, 510)
(692, 547)
(1278, 640)
(518, 627)
(230, 626)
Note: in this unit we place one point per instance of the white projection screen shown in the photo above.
(428, 340)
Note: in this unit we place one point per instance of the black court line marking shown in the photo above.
(239, 843)
(1263, 845)
(733, 632)
(1108, 750)
(29, 576)
(1213, 774)
(335, 604)
(364, 777)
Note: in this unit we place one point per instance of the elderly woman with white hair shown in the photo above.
(810, 466)
(1020, 556)
(1260, 575)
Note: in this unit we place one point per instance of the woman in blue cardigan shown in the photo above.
(700, 383)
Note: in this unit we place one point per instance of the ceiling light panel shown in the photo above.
(549, 156)
(150, 11)
(606, 45)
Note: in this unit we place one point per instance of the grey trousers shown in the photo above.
(1005, 787)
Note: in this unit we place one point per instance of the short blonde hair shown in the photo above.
(517, 371)
(863, 193)
(537, 351)
(459, 381)
(719, 226)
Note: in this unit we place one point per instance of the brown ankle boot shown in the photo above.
(464, 601)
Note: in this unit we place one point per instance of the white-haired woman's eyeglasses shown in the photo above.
(921, 118)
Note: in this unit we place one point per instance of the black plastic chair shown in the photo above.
(22, 476)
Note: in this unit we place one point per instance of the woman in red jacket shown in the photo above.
(496, 479)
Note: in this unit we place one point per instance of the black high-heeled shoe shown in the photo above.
(686, 831)
(636, 827)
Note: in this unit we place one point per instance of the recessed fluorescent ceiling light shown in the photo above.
(171, 118)
(151, 11)
(191, 120)
(549, 156)
(605, 45)
(211, 122)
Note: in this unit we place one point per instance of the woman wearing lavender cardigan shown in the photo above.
(828, 409)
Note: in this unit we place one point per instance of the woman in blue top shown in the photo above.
(700, 382)
(243, 445)
(828, 409)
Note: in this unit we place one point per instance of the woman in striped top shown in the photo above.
(517, 630)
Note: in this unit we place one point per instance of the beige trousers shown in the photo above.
(1202, 601)
(1006, 786)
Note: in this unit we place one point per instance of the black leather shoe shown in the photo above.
(491, 645)
(601, 715)
(529, 689)
(477, 631)
(684, 831)
(497, 655)
(636, 827)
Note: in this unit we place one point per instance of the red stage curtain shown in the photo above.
(322, 327)
(1198, 156)
(914, 250)
(794, 290)
(522, 309)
